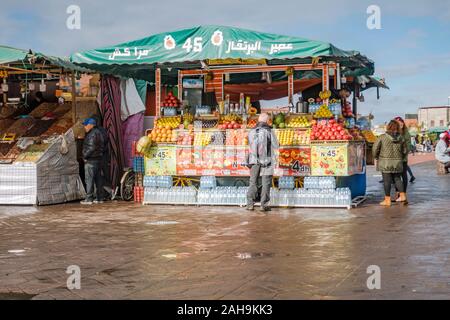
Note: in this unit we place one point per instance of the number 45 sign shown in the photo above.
(195, 45)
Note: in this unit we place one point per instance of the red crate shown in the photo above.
(138, 194)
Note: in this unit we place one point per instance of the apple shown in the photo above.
(236, 126)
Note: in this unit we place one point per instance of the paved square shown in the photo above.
(130, 251)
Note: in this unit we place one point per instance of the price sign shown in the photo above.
(161, 160)
(295, 160)
(329, 160)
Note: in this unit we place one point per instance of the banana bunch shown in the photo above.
(188, 117)
(324, 95)
(231, 117)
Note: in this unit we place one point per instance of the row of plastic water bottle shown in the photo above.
(335, 109)
(158, 181)
(286, 182)
(223, 196)
(310, 197)
(179, 195)
(208, 182)
(319, 183)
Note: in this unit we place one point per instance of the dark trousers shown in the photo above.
(388, 178)
(405, 175)
(93, 177)
(254, 190)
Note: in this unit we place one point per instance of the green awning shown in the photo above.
(437, 129)
(187, 48)
(8, 54)
(62, 62)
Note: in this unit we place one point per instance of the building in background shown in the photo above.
(411, 120)
(433, 117)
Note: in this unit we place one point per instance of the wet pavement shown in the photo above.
(126, 250)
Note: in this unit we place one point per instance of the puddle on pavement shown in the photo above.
(16, 296)
(254, 255)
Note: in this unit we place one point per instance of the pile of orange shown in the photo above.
(163, 134)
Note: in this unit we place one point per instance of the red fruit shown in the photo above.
(236, 126)
(229, 126)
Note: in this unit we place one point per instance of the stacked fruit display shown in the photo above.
(229, 125)
(187, 120)
(347, 110)
(230, 121)
(170, 101)
(324, 95)
(202, 139)
(356, 134)
(369, 136)
(323, 112)
(285, 137)
(164, 134)
(299, 122)
(171, 122)
(185, 137)
(329, 130)
(301, 137)
(252, 123)
(279, 121)
(236, 138)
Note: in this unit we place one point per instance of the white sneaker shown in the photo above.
(88, 202)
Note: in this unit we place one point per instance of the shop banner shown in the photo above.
(161, 161)
(329, 160)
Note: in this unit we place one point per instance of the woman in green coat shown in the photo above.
(389, 150)
(406, 169)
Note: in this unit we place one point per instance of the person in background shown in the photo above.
(263, 145)
(389, 150)
(413, 146)
(93, 150)
(428, 145)
(106, 159)
(406, 169)
(442, 152)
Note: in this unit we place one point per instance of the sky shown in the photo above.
(411, 50)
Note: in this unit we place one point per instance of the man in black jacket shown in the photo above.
(93, 149)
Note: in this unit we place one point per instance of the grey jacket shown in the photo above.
(442, 152)
(263, 148)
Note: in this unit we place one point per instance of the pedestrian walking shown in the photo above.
(263, 145)
(406, 169)
(442, 152)
(93, 150)
(389, 150)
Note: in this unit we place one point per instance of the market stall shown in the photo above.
(38, 152)
(207, 85)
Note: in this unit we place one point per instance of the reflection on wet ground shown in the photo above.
(126, 250)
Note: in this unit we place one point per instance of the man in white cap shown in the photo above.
(262, 148)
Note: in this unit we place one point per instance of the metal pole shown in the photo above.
(74, 102)
(355, 100)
